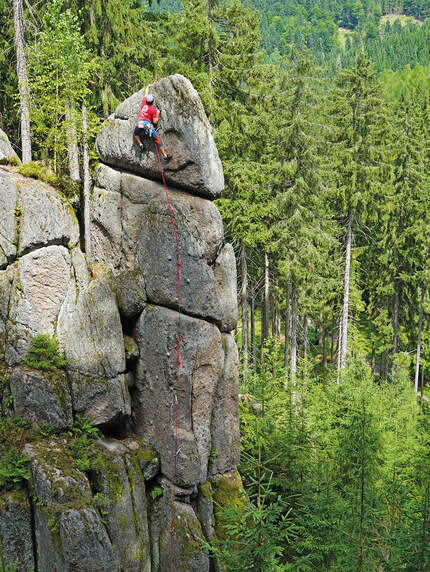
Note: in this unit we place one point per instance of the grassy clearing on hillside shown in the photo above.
(391, 18)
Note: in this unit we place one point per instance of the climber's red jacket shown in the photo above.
(147, 112)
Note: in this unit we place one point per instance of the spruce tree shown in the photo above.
(361, 174)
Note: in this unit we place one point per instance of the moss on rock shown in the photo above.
(228, 491)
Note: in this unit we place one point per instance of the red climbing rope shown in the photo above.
(172, 536)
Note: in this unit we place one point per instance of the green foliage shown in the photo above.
(13, 469)
(82, 446)
(44, 354)
(156, 492)
(36, 171)
(257, 532)
(60, 75)
(14, 161)
(349, 461)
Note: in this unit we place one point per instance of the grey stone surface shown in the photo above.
(202, 361)
(85, 542)
(6, 278)
(102, 401)
(129, 287)
(89, 329)
(226, 286)
(43, 398)
(190, 555)
(135, 230)
(225, 413)
(39, 289)
(46, 217)
(118, 217)
(125, 515)
(16, 538)
(6, 150)
(69, 532)
(54, 476)
(187, 136)
(8, 226)
(157, 255)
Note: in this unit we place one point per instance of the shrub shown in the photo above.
(13, 161)
(13, 469)
(44, 354)
(36, 171)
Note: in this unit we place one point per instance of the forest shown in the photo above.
(321, 115)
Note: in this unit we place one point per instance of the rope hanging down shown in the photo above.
(172, 536)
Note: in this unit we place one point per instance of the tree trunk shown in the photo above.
(72, 144)
(287, 327)
(265, 329)
(293, 363)
(21, 70)
(332, 344)
(244, 299)
(276, 322)
(420, 328)
(211, 43)
(395, 325)
(305, 337)
(253, 345)
(86, 165)
(324, 360)
(343, 326)
(372, 359)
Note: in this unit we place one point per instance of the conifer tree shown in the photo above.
(361, 174)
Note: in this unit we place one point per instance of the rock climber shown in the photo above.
(148, 119)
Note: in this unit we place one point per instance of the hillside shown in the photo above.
(395, 34)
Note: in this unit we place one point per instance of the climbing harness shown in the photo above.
(177, 361)
(147, 129)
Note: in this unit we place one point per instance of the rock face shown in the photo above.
(104, 504)
(6, 151)
(186, 133)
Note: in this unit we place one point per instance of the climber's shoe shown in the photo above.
(167, 158)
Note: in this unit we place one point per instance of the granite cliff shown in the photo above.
(116, 318)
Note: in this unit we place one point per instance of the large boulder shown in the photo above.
(225, 444)
(89, 329)
(201, 365)
(122, 481)
(186, 133)
(69, 531)
(46, 218)
(16, 538)
(189, 552)
(41, 283)
(8, 226)
(132, 229)
(6, 151)
(42, 397)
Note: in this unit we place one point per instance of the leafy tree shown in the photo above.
(60, 72)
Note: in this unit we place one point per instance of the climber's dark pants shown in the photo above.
(140, 132)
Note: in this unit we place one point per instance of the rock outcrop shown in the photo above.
(106, 504)
(6, 151)
(185, 131)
